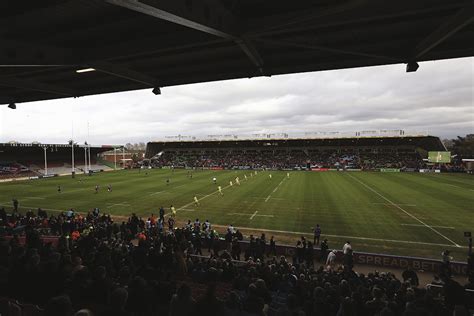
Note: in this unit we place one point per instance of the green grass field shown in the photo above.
(397, 213)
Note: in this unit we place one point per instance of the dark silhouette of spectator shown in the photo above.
(59, 306)
(209, 304)
(324, 251)
(409, 275)
(253, 303)
(182, 303)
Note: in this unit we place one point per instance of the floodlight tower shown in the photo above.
(73, 170)
(85, 158)
(45, 160)
(123, 157)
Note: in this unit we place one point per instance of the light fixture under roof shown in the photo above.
(156, 90)
(80, 71)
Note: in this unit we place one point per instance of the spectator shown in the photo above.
(182, 303)
(331, 260)
(209, 304)
(58, 306)
(347, 246)
(324, 251)
(233, 306)
(118, 301)
(317, 234)
(253, 303)
(409, 275)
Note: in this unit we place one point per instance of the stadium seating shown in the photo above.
(128, 269)
(367, 153)
(291, 159)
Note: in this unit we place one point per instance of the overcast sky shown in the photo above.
(437, 99)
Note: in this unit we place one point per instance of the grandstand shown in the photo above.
(366, 153)
(20, 160)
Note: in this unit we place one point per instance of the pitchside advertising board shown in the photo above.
(381, 260)
(389, 170)
(439, 156)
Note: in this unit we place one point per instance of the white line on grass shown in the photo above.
(155, 193)
(204, 197)
(348, 237)
(33, 198)
(391, 204)
(417, 225)
(253, 215)
(117, 204)
(452, 185)
(274, 190)
(404, 211)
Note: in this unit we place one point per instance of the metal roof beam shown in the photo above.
(38, 86)
(124, 72)
(309, 45)
(302, 17)
(455, 23)
(28, 56)
(14, 53)
(198, 16)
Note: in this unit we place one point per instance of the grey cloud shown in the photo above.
(437, 99)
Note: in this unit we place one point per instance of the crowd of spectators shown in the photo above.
(291, 159)
(143, 267)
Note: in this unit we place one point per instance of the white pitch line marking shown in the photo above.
(247, 214)
(391, 204)
(34, 198)
(117, 204)
(417, 225)
(155, 193)
(253, 215)
(188, 209)
(404, 211)
(274, 190)
(350, 237)
(452, 185)
(204, 197)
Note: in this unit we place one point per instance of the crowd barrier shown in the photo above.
(380, 260)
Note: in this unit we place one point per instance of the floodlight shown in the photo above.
(79, 71)
(12, 106)
(412, 66)
(156, 90)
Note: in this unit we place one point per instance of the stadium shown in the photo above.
(242, 220)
